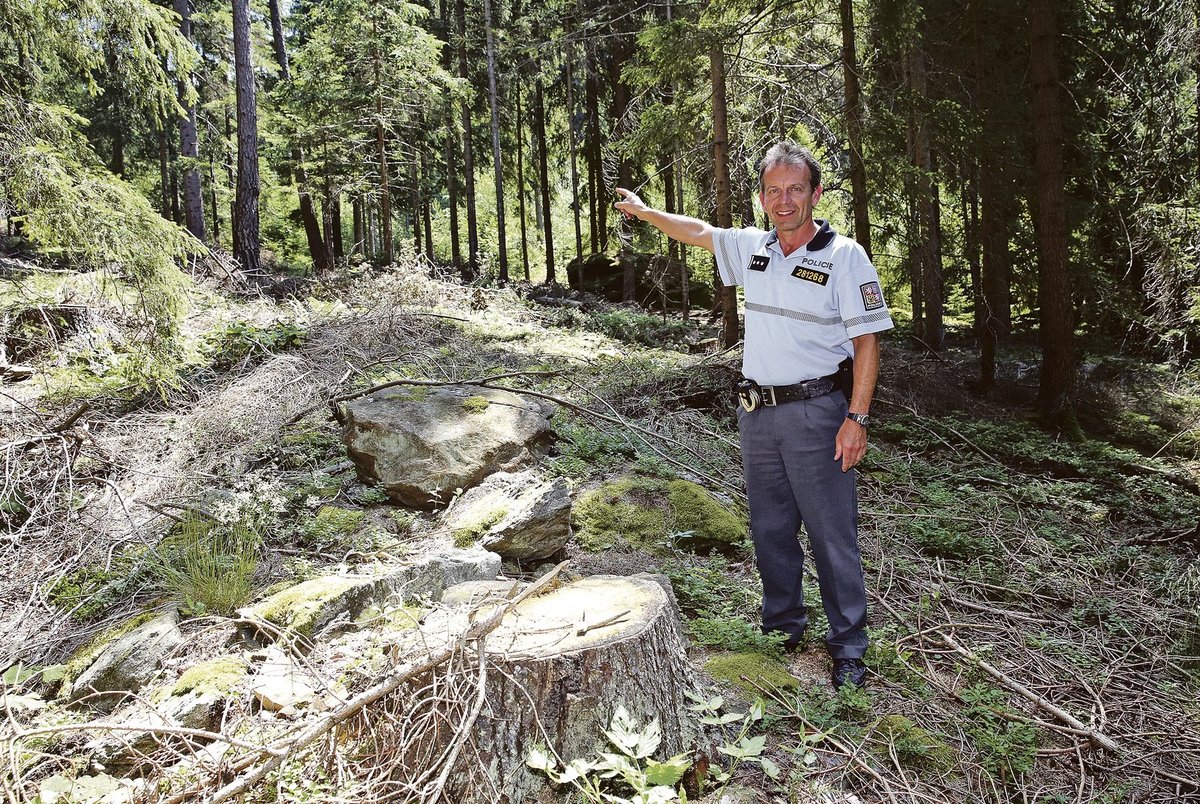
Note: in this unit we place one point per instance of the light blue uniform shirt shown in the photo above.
(802, 309)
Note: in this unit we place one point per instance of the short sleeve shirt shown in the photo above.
(801, 309)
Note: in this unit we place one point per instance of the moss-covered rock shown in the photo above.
(306, 607)
(653, 514)
(219, 676)
(764, 671)
(475, 404)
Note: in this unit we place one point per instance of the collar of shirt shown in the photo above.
(820, 240)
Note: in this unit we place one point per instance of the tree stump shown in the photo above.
(558, 666)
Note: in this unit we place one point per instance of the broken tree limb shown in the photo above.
(1094, 736)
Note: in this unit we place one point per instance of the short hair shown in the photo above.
(786, 152)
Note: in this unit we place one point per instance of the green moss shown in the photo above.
(469, 532)
(331, 524)
(697, 512)
(217, 677)
(765, 671)
(913, 745)
(625, 512)
(475, 404)
(654, 514)
(297, 607)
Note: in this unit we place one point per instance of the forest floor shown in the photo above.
(1035, 616)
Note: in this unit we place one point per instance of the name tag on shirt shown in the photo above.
(809, 275)
(759, 262)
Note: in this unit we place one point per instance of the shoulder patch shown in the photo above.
(872, 295)
(809, 275)
(759, 262)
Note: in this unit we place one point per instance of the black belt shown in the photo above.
(751, 394)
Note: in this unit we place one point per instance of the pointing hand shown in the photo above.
(630, 205)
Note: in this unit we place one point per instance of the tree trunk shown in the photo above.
(521, 183)
(575, 210)
(555, 675)
(318, 247)
(212, 196)
(385, 185)
(728, 295)
(426, 221)
(858, 169)
(335, 216)
(994, 217)
(193, 195)
(539, 120)
(415, 177)
(1057, 320)
(472, 266)
(595, 180)
(360, 234)
(925, 255)
(245, 208)
(502, 244)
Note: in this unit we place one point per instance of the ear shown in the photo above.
(817, 194)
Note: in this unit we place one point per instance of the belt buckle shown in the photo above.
(768, 396)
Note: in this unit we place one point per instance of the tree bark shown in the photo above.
(1057, 320)
(426, 220)
(994, 215)
(472, 265)
(926, 254)
(521, 215)
(555, 673)
(502, 244)
(360, 234)
(595, 180)
(385, 185)
(575, 210)
(728, 295)
(245, 208)
(189, 147)
(539, 119)
(858, 169)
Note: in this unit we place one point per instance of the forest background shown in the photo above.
(1024, 176)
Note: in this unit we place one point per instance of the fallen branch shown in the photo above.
(1096, 737)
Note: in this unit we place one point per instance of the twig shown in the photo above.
(613, 620)
(1096, 737)
(467, 728)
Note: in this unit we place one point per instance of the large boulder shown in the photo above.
(119, 665)
(654, 276)
(518, 515)
(423, 444)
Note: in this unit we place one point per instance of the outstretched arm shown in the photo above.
(692, 231)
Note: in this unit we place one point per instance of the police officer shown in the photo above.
(812, 300)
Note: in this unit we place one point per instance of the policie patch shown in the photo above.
(759, 262)
(809, 275)
(872, 295)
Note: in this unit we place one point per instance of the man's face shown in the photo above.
(787, 197)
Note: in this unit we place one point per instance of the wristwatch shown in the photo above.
(860, 418)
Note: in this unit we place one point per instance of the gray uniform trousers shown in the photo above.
(792, 479)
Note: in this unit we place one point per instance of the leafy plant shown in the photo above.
(632, 769)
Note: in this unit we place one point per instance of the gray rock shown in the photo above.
(520, 516)
(422, 444)
(435, 573)
(125, 664)
(320, 605)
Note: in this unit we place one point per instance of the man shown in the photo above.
(812, 300)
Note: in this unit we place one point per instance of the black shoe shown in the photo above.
(849, 671)
(794, 645)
